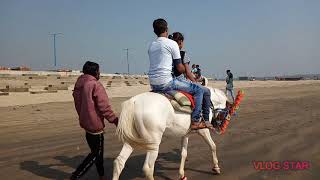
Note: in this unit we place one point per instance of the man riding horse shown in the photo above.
(145, 118)
(164, 52)
(188, 76)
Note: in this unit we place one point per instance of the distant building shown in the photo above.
(4, 68)
(289, 78)
(243, 78)
(20, 68)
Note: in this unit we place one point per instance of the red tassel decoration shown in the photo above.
(233, 109)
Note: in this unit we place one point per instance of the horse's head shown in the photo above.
(219, 102)
(222, 109)
(218, 98)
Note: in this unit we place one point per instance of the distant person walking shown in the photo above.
(93, 106)
(229, 87)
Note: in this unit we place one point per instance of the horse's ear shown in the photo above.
(204, 82)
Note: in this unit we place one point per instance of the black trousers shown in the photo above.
(95, 143)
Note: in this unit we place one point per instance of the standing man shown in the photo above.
(93, 106)
(229, 87)
(163, 53)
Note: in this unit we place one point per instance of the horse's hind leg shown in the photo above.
(184, 153)
(148, 167)
(205, 133)
(119, 162)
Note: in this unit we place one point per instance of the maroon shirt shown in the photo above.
(92, 104)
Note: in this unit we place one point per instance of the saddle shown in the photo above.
(182, 101)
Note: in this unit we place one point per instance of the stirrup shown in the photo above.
(198, 125)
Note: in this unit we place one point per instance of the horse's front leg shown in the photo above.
(184, 153)
(205, 133)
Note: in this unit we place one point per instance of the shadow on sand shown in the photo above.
(133, 167)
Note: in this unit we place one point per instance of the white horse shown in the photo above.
(143, 121)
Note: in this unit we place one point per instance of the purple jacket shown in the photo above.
(92, 104)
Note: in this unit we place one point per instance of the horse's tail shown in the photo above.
(126, 129)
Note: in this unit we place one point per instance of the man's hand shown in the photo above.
(115, 122)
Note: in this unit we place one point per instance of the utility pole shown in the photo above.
(127, 49)
(54, 48)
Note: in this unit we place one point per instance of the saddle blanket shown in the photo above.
(182, 101)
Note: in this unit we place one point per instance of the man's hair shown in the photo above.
(197, 65)
(90, 68)
(159, 26)
(228, 71)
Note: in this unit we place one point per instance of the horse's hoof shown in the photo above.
(184, 178)
(216, 171)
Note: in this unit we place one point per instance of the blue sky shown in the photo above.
(250, 37)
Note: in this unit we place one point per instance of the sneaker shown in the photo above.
(197, 125)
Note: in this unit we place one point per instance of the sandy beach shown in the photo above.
(278, 121)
